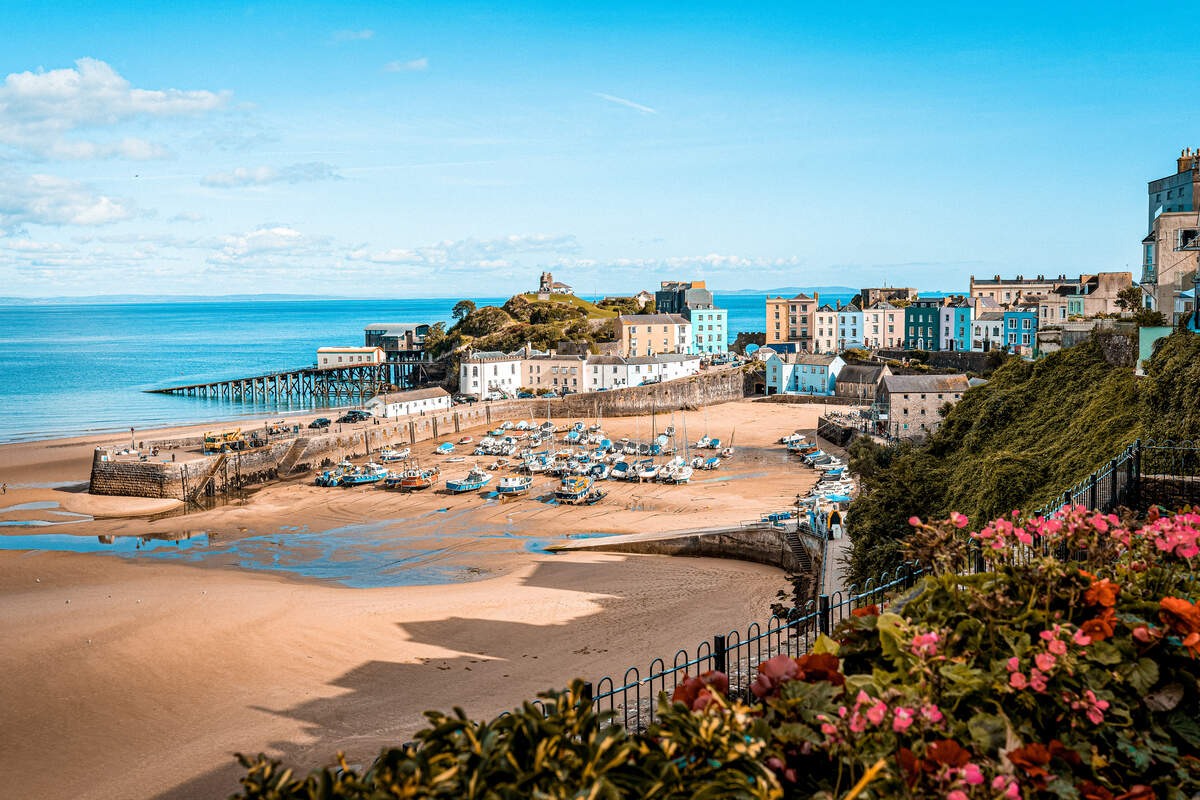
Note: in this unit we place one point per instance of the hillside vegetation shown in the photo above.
(1016, 442)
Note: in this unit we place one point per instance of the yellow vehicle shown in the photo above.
(279, 426)
(224, 441)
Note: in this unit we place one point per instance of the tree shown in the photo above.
(1149, 318)
(1129, 298)
(462, 309)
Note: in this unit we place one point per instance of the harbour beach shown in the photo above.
(260, 612)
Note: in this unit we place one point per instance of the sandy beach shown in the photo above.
(137, 672)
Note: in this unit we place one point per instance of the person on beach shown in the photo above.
(3, 488)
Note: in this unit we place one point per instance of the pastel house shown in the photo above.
(803, 373)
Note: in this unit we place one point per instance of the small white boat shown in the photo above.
(475, 479)
(682, 475)
(390, 456)
(514, 485)
(647, 471)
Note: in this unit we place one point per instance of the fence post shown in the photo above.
(587, 693)
(719, 653)
(823, 614)
(1092, 493)
(1136, 482)
(1112, 486)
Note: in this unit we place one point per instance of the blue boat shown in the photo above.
(514, 485)
(620, 471)
(445, 448)
(369, 473)
(475, 479)
(573, 489)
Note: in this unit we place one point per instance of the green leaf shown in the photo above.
(1104, 653)
(987, 731)
(1185, 727)
(824, 644)
(890, 637)
(1142, 674)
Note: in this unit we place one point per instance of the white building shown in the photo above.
(987, 331)
(487, 374)
(401, 404)
(605, 372)
(803, 373)
(330, 357)
(664, 367)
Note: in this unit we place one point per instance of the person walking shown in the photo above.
(3, 488)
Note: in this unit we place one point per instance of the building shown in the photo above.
(604, 372)
(643, 297)
(790, 319)
(613, 372)
(1097, 294)
(802, 373)
(548, 286)
(557, 372)
(330, 357)
(1020, 329)
(955, 319)
(883, 325)
(850, 327)
(869, 297)
(396, 338)
(987, 331)
(1179, 192)
(910, 406)
(651, 334)
(922, 323)
(691, 300)
(825, 333)
(488, 374)
(1170, 259)
(401, 404)
(859, 381)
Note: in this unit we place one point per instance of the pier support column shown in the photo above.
(457, 423)
(412, 432)
(435, 427)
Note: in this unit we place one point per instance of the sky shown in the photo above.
(448, 149)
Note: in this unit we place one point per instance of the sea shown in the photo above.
(79, 369)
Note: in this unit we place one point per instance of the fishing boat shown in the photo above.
(647, 471)
(792, 438)
(600, 472)
(620, 471)
(390, 456)
(573, 489)
(499, 463)
(595, 497)
(728, 451)
(330, 477)
(474, 480)
(368, 473)
(514, 485)
(393, 479)
(417, 478)
(445, 448)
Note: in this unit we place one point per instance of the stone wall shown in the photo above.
(696, 391)
(949, 360)
(812, 399)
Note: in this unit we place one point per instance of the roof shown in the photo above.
(807, 358)
(860, 373)
(662, 358)
(652, 319)
(990, 316)
(558, 285)
(492, 355)
(602, 359)
(850, 308)
(392, 328)
(415, 394)
(348, 349)
(827, 307)
(881, 304)
(555, 357)
(925, 383)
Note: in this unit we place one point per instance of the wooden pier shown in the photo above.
(312, 386)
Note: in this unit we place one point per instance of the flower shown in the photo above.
(817, 667)
(1091, 791)
(957, 794)
(931, 712)
(1037, 681)
(1183, 618)
(1102, 593)
(876, 713)
(1058, 647)
(1081, 638)
(958, 520)
(1014, 664)
(947, 752)
(914, 521)
(866, 611)
(925, 644)
(772, 674)
(1101, 626)
(697, 693)
(972, 774)
(1045, 661)
(1032, 759)
(902, 719)
(1017, 681)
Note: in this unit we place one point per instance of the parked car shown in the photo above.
(319, 422)
(524, 395)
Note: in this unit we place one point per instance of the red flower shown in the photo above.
(1101, 627)
(1102, 593)
(819, 667)
(1032, 759)
(947, 752)
(1060, 750)
(912, 766)
(1091, 791)
(866, 611)
(697, 693)
(1183, 618)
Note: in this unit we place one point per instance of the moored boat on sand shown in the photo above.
(573, 489)
(474, 480)
(417, 478)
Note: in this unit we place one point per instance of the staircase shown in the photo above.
(292, 457)
(212, 472)
(799, 550)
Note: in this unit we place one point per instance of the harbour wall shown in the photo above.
(308, 451)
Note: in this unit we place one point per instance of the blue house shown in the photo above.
(956, 325)
(1020, 330)
(803, 373)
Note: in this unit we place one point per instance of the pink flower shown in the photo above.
(828, 729)
(1017, 681)
(925, 644)
(903, 719)
(1047, 636)
(914, 521)
(1014, 664)
(931, 712)
(876, 712)
(958, 520)
(1058, 647)
(857, 723)
(1095, 715)
(972, 775)
(998, 782)
(957, 794)
(1023, 537)
(1013, 792)
(842, 712)
(1045, 662)
(1082, 639)
(1037, 680)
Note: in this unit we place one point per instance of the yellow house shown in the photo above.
(651, 334)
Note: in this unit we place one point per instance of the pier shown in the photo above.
(310, 385)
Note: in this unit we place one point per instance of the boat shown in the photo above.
(682, 474)
(456, 460)
(573, 489)
(619, 471)
(711, 463)
(417, 478)
(595, 497)
(368, 473)
(647, 471)
(514, 485)
(392, 456)
(702, 443)
(474, 480)
(445, 448)
(792, 438)
(465, 440)
(499, 463)
(599, 472)
(330, 477)
(393, 479)
(728, 451)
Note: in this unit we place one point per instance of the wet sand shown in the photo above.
(247, 637)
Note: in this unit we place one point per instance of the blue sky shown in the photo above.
(403, 150)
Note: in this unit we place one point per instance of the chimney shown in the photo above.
(1188, 160)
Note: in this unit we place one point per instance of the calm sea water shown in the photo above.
(77, 369)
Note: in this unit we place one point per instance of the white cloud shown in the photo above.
(51, 200)
(261, 176)
(622, 101)
(471, 253)
(39, 109)
(353, 36)
(267, 243)
(187, 216)
(416, 65)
